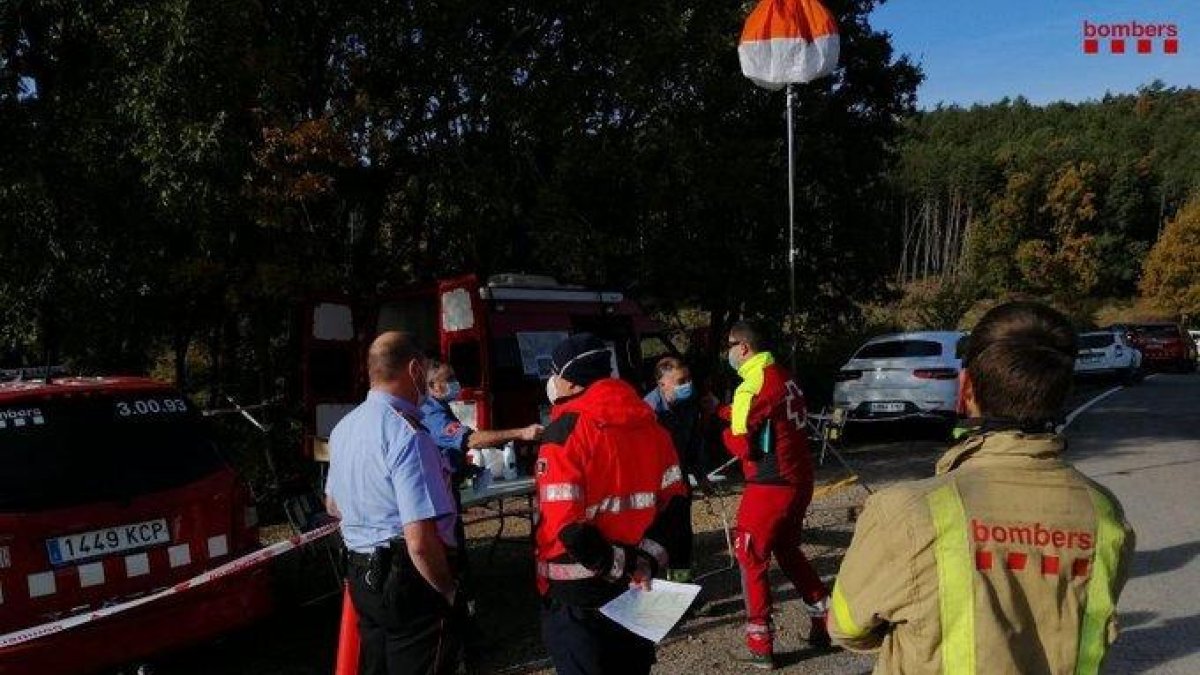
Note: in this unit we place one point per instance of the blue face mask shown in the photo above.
(453, 390)
(683, 391)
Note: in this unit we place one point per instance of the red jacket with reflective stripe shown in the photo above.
(766, 427)
(606, 461)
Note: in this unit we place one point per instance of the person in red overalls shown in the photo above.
(766, 432)
(608, 482)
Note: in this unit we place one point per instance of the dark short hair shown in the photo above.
(752, 333)
(668, 364)
(1021, 358)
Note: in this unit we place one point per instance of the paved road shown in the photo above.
(1143, 443)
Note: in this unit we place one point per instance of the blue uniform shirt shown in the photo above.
(449, 434)
(385, 473)
(656, 402)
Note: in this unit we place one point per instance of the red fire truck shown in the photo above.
(497, 335)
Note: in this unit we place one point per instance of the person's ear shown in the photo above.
(968, 404)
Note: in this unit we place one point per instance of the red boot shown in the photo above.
(759, 647)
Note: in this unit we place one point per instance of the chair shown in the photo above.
(826, 428)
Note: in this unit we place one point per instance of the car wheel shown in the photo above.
(1130, 377)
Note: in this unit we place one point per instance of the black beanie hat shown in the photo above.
(582, 359)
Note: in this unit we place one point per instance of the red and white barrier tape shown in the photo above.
(242, 564)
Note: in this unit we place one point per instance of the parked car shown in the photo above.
(1164, 346)
(1108, 353)
(1195, 335)
(902, 375)
(112, 488)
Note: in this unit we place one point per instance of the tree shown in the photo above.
(1065, 262)
(1171, 278)
(177, 174)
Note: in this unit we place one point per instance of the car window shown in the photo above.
(899, 349)
(467, 362)
(1095, 340)
(1167, 331)
(84, 449)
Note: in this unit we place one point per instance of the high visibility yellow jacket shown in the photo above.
(1008, 561)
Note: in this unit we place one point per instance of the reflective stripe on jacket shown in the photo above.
(1009, 561)
(604, 461)
(766, 425)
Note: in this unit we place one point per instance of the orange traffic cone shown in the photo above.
(348, 639)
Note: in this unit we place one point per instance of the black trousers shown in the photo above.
(680, 538)
(406, 627)
(585, 642)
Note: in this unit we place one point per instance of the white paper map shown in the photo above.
(652, 614)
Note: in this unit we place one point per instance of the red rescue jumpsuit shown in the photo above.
(767, 433)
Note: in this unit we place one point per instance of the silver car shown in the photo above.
(902, 375)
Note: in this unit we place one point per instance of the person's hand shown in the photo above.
(642, 574)
(531, 433)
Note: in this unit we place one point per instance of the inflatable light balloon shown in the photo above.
(788, 41)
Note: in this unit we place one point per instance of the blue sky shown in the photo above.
(979, 51)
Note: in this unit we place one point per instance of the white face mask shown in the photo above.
(551, 390)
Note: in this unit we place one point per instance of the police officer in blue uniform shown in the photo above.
(452, 436)
(454, 439)
(390, 486)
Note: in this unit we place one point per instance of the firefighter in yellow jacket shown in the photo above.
(1008, 561)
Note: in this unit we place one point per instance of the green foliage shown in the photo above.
(177, 175)
(1063, 199)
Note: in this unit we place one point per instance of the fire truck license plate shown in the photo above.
(107, 541)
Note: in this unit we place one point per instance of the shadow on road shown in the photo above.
(1143, 649)
(1149, 563)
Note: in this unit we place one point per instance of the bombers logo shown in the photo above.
(19, 417)
(1048, 560)
(1146, 38)
(1031, 534)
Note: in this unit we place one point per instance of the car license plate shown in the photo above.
(107, 541)
(887, 407)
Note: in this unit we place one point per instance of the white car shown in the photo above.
(1108, 353)
(902, 375)
(1195, 335)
